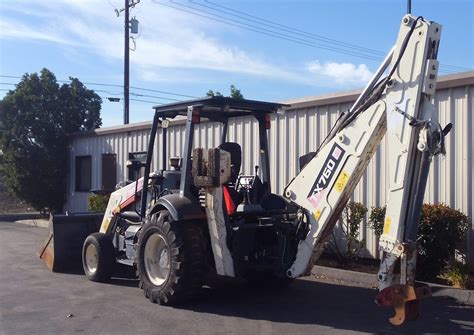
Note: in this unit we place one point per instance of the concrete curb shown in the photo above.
(22, 216)
(464, 296)
(370, 280)
(35, 222)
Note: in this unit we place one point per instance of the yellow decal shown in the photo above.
(317, 215)
(386, 226)
(116, 210)
(341, 181)
(105, 225)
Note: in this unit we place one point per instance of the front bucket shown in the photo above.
(63, 248)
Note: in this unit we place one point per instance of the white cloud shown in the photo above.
(341, 73)
(169, 39)
(13, 29)
(173, 46)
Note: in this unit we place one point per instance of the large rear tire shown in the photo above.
(98, 257)
(171, 260)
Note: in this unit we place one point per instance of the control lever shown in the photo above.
(447, 129)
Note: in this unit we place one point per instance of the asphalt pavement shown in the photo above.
(34, 300)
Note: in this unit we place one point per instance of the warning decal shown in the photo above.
(341, 181)
(325, 175)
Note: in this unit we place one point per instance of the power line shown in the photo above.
(282, 27)
(108, 92)
(147, 101)
(134, 94)
(295, 30)
(153, 96)
(319, 37)
(139, 100)
(156, 91)
(362, 52)
(116, 93)
(267, 32)
(116, 85)
(106, 98)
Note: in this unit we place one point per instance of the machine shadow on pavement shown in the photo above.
(305, 302)
(333, 305)
(122, 275)
(319, 303)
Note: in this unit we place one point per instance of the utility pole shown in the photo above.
(128, 24)
(126, 66)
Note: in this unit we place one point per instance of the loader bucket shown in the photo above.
(63, 248)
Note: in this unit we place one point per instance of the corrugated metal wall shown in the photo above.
(295, 133)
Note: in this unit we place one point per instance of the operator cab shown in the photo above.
(249, 191)
(260, 225)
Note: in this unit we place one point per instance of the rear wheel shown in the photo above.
(171, 259)
(98, 257)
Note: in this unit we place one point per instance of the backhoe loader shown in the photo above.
(203, 216)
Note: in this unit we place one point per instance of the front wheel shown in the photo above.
(98, 257)
(171, 259)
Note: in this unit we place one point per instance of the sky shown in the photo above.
(270, 50)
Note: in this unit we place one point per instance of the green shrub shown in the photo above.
(457, 275)
(350, 220)
(440, 229)
(98, 203)
(376, 220)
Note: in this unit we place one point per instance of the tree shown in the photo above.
(35, 119)
(234, 93)
(211, 93)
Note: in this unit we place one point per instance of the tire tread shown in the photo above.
(188, 262)
(106, 255)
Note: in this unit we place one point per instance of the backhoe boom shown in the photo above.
(398, 106)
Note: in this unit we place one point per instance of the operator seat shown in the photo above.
(236, 161)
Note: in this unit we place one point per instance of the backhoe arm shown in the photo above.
(400, 107)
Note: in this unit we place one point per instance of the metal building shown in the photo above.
(97, 158)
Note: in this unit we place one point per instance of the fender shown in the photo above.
(181, 208)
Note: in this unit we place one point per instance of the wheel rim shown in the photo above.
(157, 259)
(92, 259)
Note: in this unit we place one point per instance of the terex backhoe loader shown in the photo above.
(176, 225)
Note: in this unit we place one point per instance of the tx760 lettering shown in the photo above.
(325, 175)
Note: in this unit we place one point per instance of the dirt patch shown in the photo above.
(10, 204)
(362, 265)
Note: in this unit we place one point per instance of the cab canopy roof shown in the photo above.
(218, 108)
